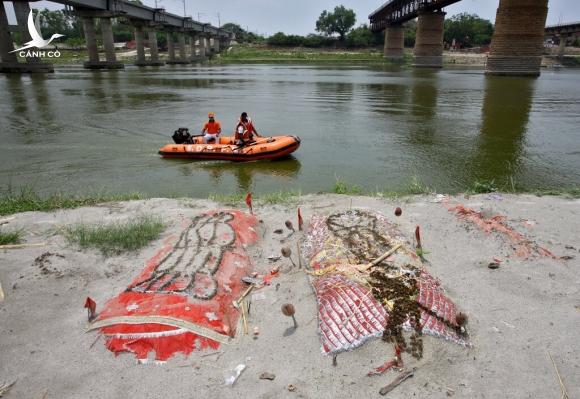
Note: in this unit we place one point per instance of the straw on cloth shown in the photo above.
(349, 314)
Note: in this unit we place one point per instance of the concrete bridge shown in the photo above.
(564, 33)
(516, 47)
(201, 39)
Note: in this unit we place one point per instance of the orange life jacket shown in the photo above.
(248, 130)
(249, 126)
(212, 128)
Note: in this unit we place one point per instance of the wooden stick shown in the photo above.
(397, 381)
(382, 257)
(562, 386)
(299, 255)
(245, 294)
(19, 246)
(243, 305)
(96, 339)
(1, 293)
(213, 353)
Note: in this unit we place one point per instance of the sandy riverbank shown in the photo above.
(517, 313)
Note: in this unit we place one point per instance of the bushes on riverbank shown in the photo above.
(361, 37)
(246, 53)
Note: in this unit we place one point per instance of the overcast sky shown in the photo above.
(299, 16)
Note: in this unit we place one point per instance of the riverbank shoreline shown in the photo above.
(324, 56)
(518, 313)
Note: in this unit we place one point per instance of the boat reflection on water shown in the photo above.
(244, 173)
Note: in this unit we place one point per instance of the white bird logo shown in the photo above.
(34, 30)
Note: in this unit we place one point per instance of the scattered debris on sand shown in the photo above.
(524, 246)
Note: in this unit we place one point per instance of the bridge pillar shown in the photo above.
(88, 17)
(170, 48)
(518, 40)
(394, 42)
(154, 49)
(216, 44)
(562, 46)
(91, 40)
(428, 51)
(140, 46)
(33, 64)
(193, 48)
(202, 46)
(22, 10)
(109, 44)
(182, 52)
(6, 46)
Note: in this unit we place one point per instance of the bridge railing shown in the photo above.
(399, 11)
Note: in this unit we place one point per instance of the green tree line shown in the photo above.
(336, 28)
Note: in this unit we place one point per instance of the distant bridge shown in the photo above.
(517, 42)
(564, 33)
(123, 8)
(204, 39)
(563, 29)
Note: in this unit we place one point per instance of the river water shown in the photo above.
(85, 132)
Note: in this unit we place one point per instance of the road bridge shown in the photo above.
(517, 42)
(564, 33)
(203, 39)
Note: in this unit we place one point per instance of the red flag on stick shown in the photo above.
(418, 238)
(300, 221)
(91, 307)
(249, 202)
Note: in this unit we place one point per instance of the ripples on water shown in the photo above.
(81, 131)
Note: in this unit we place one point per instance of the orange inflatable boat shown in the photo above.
(262, 148)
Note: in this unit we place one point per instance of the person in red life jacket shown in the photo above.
(211, 130)
(245, 130)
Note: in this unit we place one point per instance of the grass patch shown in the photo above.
(27, 200)
(482, 187)
(8, 238)
(116, 238)
(389, 195)
(280, 197)
(228, 199)
(417, 187)
(343, 188)
(277, 197)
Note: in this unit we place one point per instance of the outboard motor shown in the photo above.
(182, 136)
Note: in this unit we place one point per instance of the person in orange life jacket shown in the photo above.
(211, 130)
(245, 130)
